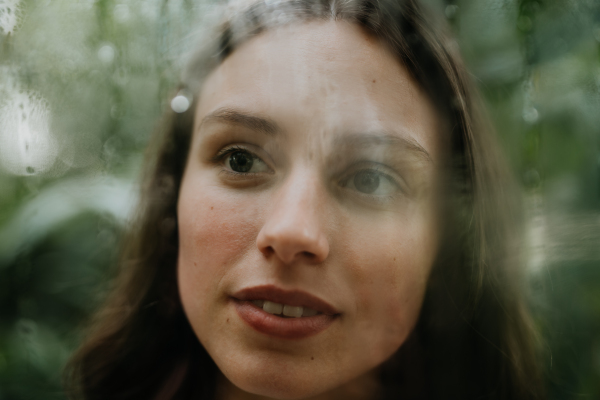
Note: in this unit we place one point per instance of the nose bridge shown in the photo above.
(294, 228)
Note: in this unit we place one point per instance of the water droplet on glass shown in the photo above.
(456, 103)
(106, 54)
(532, 178)
(121, 77)
(106, 238)
(451, 10)
(149, 9)
(27, 146)
(530, 115)
(10, 15)
(116, 111)
(180, 103)
(281, 18)
(524, 23)
(121, 13)
(113, 146)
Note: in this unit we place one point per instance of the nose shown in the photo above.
(293, 230)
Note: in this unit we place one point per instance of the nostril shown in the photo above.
(268, 251)
(308, 255)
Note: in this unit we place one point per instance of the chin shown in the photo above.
(280, 381)
(279, 389)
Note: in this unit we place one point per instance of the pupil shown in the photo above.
(241, 161)
(366, 182)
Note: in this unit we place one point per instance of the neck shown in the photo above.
(365, 387)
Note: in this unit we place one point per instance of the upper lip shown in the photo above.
(296, 298)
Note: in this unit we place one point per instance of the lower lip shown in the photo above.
(284, 328)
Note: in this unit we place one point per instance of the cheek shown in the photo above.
(215, 231)
(390, 271)
(213, 223)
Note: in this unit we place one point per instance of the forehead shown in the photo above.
(322, 77)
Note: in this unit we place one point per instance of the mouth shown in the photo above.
(282, 313)
(285, 310)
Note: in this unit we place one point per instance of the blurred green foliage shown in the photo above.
(85, 82)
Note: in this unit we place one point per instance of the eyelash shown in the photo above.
(221, 156)
(224, 152)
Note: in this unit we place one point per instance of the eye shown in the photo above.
(372, 182)
(242, 161)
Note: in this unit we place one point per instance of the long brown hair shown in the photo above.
(474, 338)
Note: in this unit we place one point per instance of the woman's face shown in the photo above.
(307, 214)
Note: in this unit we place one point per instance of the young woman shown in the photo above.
(328, 219)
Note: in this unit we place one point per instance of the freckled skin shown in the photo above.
(294, 229)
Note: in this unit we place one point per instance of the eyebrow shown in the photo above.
(269, 127)
(384, 138)
(235, 117)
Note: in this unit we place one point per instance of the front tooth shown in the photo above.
(291, 311)
(272, 308)
(309, 312)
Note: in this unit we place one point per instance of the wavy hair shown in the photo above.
(474, 338)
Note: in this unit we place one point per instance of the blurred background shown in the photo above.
(83, 84)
